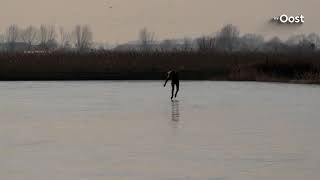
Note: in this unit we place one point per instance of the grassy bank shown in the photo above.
(302, 68)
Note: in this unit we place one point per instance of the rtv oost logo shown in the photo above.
(285, 19)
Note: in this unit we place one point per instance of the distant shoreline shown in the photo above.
(289, 68)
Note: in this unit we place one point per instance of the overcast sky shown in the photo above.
(166, 18)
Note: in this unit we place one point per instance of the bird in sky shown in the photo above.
(108, 4)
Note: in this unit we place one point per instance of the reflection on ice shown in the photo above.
(175, 113)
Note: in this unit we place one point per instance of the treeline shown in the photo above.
(48, 38)
(50, 53)
(228, 40)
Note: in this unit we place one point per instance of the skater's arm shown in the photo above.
(168, 77)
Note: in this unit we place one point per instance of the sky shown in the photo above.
(118, 21)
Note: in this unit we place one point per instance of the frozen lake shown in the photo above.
(119, 130)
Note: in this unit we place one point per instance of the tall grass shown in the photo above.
(253, 66)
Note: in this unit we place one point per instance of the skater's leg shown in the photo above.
(172, 90)
(177, 84)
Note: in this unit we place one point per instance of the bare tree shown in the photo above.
(43, 35)
(12, 35)
(275, 45)
(187, 44)
(2, 40)
(47, 36)
(29, 36)
(168, 45)
(82, 37)
(251, 42)
(146, 39)
(64, 38)
(206, 43)
(303, 43)
(228, 37)
(296, 39)
(314, 39)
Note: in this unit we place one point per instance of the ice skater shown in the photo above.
(174, 76)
